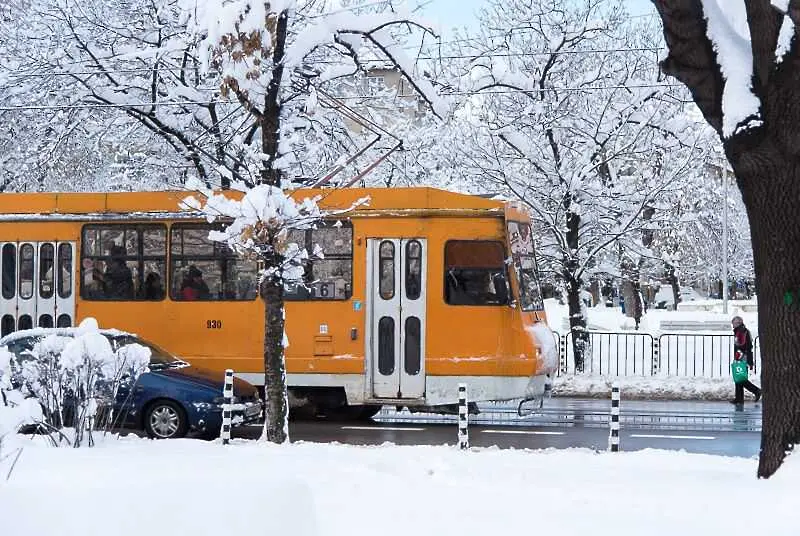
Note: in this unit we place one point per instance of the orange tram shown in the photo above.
(418, 291)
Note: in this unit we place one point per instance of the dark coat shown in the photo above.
(743, 343)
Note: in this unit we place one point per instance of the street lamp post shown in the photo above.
(725, 240)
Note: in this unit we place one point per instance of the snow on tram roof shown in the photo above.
(168, 204)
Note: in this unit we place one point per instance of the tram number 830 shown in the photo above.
(213, 324)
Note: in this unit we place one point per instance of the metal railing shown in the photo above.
(641, 354)
(505, 414)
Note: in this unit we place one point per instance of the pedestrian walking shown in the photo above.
(742, 354)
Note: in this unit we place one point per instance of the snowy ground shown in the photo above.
(694, 364)
(136, 487)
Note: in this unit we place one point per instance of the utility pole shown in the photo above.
(725, 239)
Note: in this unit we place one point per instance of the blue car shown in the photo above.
(171, 400)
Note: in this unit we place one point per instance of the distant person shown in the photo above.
(743, 349)
(118, 279)
(193, 286)
(153, 288)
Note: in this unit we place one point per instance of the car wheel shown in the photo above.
(165, 419)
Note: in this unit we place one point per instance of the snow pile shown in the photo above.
(309, 489)
(644, 387)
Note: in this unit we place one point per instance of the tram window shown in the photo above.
(9, 266)
(25, 322)
(521, 240)
(475, 273)
(46, 271)
(25, 272)
(45, 321)
(386, 268)
(413, 270)
(413, 346)
(123, 262)
(64, 270)
(386, 345)
(6, 325)
(325, 277)
(202, 269)
(64, 321)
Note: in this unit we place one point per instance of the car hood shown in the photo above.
(213, 379)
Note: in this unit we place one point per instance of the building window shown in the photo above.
(331, 276)
(475, 273)
(123, 262)
(202, 269)
(374, 85)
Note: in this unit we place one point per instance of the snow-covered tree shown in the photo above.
(118, 96)
(737, 59)
(262, 54)
(564, 116)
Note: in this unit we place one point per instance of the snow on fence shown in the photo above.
(703, 355)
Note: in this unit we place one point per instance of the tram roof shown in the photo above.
(381, 200)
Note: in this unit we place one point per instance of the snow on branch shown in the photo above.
(261, 224)
(376, 28)
(741, 108)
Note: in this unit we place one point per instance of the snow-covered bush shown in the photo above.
(74, 376)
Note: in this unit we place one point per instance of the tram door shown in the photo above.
(396, 311)
(37, 285)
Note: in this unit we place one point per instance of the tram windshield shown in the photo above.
(520, 240)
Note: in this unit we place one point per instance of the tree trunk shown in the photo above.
(577, 323)
(271, 119)
(763, 150)
(577, 320)
(672, 279)
(276, 423)
(770, 184)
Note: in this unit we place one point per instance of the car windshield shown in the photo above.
(159, 358)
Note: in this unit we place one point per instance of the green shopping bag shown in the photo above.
(739, 371)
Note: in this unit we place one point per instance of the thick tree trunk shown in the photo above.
(276, 427)
(770, 184)
(764, 151)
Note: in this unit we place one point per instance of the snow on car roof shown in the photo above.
(65, 332)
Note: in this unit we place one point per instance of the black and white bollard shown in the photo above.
(227, 395)
(463, 433)
(613, 436)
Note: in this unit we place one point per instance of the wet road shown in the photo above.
(701, 427)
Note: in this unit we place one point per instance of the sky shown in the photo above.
(456, 13)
